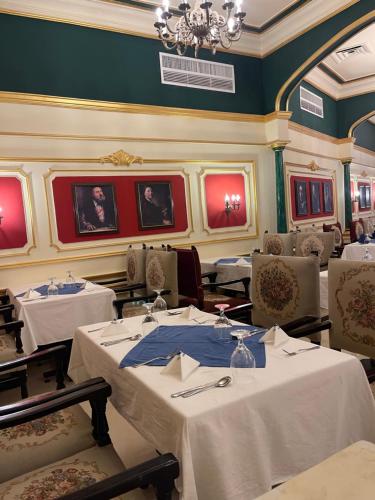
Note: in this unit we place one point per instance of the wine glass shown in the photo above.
(52, 288)
(149, 322)
(367, 256)
(223, 324)
(159, 303)
(242, 359)
(70, 280)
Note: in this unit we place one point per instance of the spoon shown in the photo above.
(113, 342)
(299, 351)
(222, 382)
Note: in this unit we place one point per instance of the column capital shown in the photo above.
(279, 145)
(345, 161)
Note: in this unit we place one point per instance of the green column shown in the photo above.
(280, 188)
(348, 198)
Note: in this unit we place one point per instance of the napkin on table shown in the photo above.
(191, 312)
(274, 336)
(180, 366)
(242, 262)
(89, 286)
(31, 294)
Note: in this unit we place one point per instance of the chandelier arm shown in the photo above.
(187, 20)
(167, 46)
(207, 17)
(170, 29)
(229, 11)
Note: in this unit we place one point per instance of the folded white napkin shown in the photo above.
(115, 328)
(190, 312)
(89, 286)
(31, 294)
(180, 366)
(242, 262)
(274, 336)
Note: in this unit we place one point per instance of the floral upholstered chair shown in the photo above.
(284, 289)
(337, 230)
(356, 230)
(278, 244)
(50, 448)
(161, 273)
(322, 243)
(351, 303)
(367, 224)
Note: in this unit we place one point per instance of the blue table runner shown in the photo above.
(199, 342)
(70, 289)
(232, 260)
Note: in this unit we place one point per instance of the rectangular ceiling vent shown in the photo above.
(311, 102)
(189, 72)
(349, 52)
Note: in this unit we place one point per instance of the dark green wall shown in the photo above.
(281, 64)
(365, 135)
(352, 109)
(44, 57)
(326, 125)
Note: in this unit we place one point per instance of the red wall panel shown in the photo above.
(13, 232)
(309, 215)
(216, 187)
(125, 195)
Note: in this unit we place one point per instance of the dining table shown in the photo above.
(54, 318)
(356, 251)
(233, 442)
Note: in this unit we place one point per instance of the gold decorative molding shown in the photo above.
(279, 144)
(363, 173)
(359, 121)
(346, 160)
(313, 166)
(121, 158)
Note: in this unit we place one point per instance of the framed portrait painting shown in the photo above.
(301, 197)
(154, 204)
(95, 208)
(315, 197)
(327, 197)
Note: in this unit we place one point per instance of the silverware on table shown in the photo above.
(174, 313)
(35, 298)
(222, 382)
(202, 322)
(299, 351)
(168, 357)
(117, 341)
(96, 329)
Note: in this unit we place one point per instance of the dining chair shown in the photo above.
(338, 236)
(351, 302)
(285, 291)
(161, 273)
(356, 230)
(278, 243)
(320, 242)
(367, 224)
(192, 290)
(52, 449)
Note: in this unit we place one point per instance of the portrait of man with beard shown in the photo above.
(95, 208)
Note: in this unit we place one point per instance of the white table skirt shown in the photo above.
(227, 272)
(56, 318)
(235, 443)
(356, 251)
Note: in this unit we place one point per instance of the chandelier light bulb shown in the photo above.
(158, 13)
(166, 5)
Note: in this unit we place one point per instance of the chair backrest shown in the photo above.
(356, 229)
(367, 225)
(323, 243)
(337, 231)
(189, 274)
(136, 265)
(161, 272)
(284, 289)
(278, 243)
(351, 305)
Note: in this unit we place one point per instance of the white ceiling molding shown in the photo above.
(336, 90)
(122, 18)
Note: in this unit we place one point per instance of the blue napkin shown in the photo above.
(198, 342)
(231, 260)
(361, 239)
(70, 289)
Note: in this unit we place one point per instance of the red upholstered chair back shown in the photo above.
(339, 239)
(189, 274)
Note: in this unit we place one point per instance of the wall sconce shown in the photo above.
(232, 203)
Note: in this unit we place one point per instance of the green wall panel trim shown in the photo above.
(281, 64)
(326, 125)
(44, 57)
(365, 135)
(352, 109)
(348, 196)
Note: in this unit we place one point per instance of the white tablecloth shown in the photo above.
(56, 318)
(235, 443)
(356, 251)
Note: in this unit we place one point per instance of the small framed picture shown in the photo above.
(95, 208)
(368, 196)
(155, 204)
(315, 197)
(327, 197)
(362, 196)
(301, 197)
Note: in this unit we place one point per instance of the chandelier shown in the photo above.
(200, 25)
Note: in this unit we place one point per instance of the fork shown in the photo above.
(299, 351)
(168, 356)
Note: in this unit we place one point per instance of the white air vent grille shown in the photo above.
(356, 50)
(188, 72)
(311, 102)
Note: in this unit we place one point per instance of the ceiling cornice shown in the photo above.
(137, 21)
